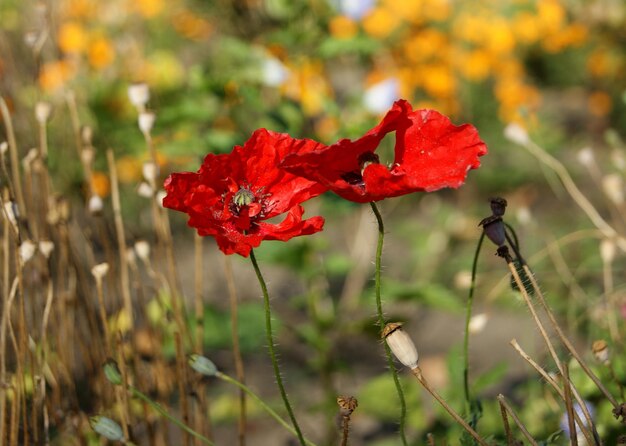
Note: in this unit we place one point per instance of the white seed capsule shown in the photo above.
(139, 94)
(145, 190)
(100, 270)
(4, 147)
(517, 134)
(146, 121)
(95, 204)
(586, 157)
(607, 250)
(478, 322)
(150, 171)
(401, 344)
(142, 248)
(27, 251)
(42, 112)
(46, 247)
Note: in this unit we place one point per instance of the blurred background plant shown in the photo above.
(324, 69)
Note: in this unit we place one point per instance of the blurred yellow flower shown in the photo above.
(600, 103)
(342, 27)
(72, 38)
(148, 8)
(602, 63)
(439, 81)
(381, 22)
(550, 15)
(308, 85)
(501, 39)
(53, 75)
(424, 44)
(525, 28)
(100, 184)
(100, 53)
(436, 10)
(475, 65)
(409, 11)
(79, 8)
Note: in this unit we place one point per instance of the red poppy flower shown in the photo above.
(430, 153)
(232, 195)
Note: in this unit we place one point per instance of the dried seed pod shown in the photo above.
(347, 405)
(600, 351)
(139, 94)
(100, 270)
(142, 248)
(146, 121)
(517, 134)
(401, 344)
(46, 247)
(95, 205)
(42, 112)
(27, 250)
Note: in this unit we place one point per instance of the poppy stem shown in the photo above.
(381, 320)
(270, 347)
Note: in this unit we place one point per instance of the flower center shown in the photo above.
(243, 197)
(355, 177)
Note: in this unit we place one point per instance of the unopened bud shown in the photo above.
(42, 112)
(146, 121)
(202, 365)
(145, 190)
(112, 372)
(401, 344)
(106, 427)
(613, 187)
(585, 156)
(600, 351)
(139, 94)
(27, 251)
(347, 405)
(46, 247)
(517, 134)
(95, 204)
(100, 270)
(142, 248)
(150, 171)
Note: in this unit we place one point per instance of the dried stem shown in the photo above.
(15, 164)
(569, 406)
(121, 238)
(511, 412)
(417, 372)
(510, 441)
(121, 392)
(181, 376)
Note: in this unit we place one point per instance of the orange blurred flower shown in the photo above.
(149, 8)
(72, 38)
(100, 53)
(380, 22)
(342, 27)
(53, 75)
(600, 103)
(100, 184)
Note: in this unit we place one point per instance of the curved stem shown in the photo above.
(261, 403)
(156, 406)
(270, 347)
(468, 317)
(381, 320)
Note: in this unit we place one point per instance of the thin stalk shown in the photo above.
(345, 430)
(239, 368)
(510, 441)
(270, 347)
(558, 363)
(588, 435)
(569, 406)
(261, 403)
(121, 392)
(15, 164)
(468, 317)
(181, 377)
(513, 415)
(381, 321)
(417, 372)
(121, 238)
(564, 339)
(156, 406)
